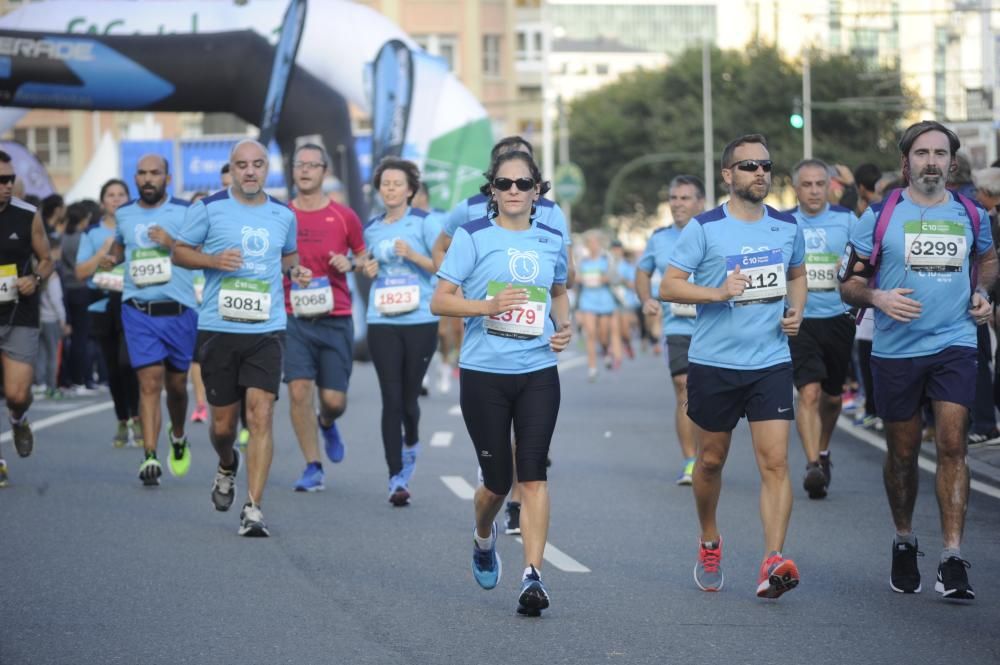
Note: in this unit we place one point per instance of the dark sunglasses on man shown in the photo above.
(751, 165)
(7, 179)
(504, 184)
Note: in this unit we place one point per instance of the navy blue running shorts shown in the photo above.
(902, 385)
(719, 397)
(321, 350)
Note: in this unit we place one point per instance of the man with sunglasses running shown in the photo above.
(927, 307)
(24, 263)
(747, 260)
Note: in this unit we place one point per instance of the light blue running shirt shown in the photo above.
(677, 319)
(826, 236)
(938, 274)
(730, 334)
(483, 253)
(626, 271)
(401, 293)
(91, 241)
(595, 297)
(264, 234)
(132, 233)
(474, 208)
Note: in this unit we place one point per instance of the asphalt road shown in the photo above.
(94, 568)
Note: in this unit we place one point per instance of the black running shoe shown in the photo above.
(814, 482)
(534, 598)
(24, 440)
(224, 485)
(952, 580)
(512, 518)
(826, 464)
(150, 471)
(252, 522)
(905, 576)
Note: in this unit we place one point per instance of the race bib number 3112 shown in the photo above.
(766, 272)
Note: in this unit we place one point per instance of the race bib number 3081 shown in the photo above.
(766, 272)
(245, 300)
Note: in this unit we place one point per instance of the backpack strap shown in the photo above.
(973, 211)
(882, 219)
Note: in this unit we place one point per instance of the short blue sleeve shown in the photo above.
(558, 221)
(291, 245)
(430, 230)
(119, 238)
(460, 260)
(194, 229)
(647, 262)
(559, 275)
(86, 248)
(863, 231)
(798, 248)
(454, 219)
(985, 241)
(690, 248)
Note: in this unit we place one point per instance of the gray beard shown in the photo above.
(930, 189)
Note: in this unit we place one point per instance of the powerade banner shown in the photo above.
(156, 55)
(284, 59)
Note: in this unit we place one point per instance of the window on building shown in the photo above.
(50, 144)
(443, 46)
(601, 69)
(491, 55)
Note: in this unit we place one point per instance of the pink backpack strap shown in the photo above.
(973, 211)
(882, 220)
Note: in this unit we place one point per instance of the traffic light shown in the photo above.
(795, 119)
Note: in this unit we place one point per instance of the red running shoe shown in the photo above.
(777, 575)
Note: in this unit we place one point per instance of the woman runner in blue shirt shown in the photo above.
(512, 275)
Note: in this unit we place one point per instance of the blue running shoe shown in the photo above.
(410, 454)
(486, 566)
(399, 495)
(312, 479)
(534, 598)
(332, 442)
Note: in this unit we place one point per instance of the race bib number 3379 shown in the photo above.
(525, 322)
(766, 273)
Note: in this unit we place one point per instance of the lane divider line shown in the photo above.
(441, 439)
(60, 418)
(460, 486)
(455, 410)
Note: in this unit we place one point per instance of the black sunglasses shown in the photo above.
(7, 179)
(750, 165)
(503, 184)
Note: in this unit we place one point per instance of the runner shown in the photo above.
(629, 306)
(746, 259)
(320, 330)
(687, 199)
(199, 413)
(821, 352)
(24, 241)
(928, 245)
(159, 316)
(596, 305)
(402, 332)
(509, 376)
(246, 240)
(106, 312)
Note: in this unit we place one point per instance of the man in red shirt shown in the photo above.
(320, 334)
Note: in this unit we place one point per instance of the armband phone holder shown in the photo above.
(852, 265)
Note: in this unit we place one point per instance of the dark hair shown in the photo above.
(406, 166)
(727, 153)
(112, 183)
(313, 146)
(500, 160)
(225, 169)
(77, 214)
(4, 157)
(32, 199)
(50, 204)
(867, 175)
(93, 209)
(508, 144)
(691, 180)
(917, 129)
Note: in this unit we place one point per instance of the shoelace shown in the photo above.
(710, 559)
(484, 558)
(961, 562)
(224, 480)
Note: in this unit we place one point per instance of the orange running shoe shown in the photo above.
(777, 575)
(708, 571)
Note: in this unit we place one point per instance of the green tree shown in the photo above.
(753, 92)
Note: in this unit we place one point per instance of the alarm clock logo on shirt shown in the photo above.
(523, 265)
(815, 240)
(142, 236)
(255, 241)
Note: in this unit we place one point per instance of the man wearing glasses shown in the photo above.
(320, 331)
(747, 260)
(928, 302)
(24, 263)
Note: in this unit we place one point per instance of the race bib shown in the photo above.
(683, 310)
(149, 267)
(766, 272)
(591, 279)
(199, 288)
(111, 280)
(245, 300)
(8, 283)
(935, 246)
(397, 295)
(525, 322)
(313, 300)
(821, 272)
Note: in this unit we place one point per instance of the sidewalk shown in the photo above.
(984, 461)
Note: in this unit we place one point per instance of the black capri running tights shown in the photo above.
(401, 355)
(491, 403)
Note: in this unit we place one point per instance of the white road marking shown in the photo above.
(61, 418)
(455, 410)
(555, 556)
(926, 464)
(441, 439)
(561, 560)
(573, 361)
(460, 486)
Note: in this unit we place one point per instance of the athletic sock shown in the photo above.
(949, 552)
(909, 539)
(528, 571)
(17, 421)
(825, 453)
(483, 543)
